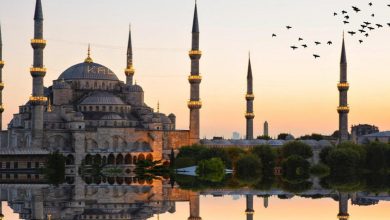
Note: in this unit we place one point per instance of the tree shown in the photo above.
(376, 156)
(212, 169)
(249, 167)
(267, 157)
(343, 162)
(296, 168)
(297, 148)
(264, 137)
(54, 170)
(324, 154)
(313, 136)
(283, 136)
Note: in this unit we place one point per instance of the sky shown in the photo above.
(294, 92)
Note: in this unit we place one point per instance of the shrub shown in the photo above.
(249, 166)
(212, 169)
(343, 161)
(295, 168)
(54, 170)
(297, 148)
(376, 157)
(320, 170)
(267, 157)
(324, 154)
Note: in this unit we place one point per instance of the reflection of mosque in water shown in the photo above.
(139, 199)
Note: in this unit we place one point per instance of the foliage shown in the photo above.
(264, 137)
(212, 169)
(54, 170)
(181, 162)
(296, 187)
(343, 162)
(320, 170)
(295, 168)
(267, 157)
(376, 157)
(313, 136)
(249, 168)
(297, 148)
(283, 136)
(172, 160)
(324, 154)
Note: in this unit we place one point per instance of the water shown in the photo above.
(161, 199)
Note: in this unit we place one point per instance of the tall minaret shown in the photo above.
(249, 211)
(129, 71)
(194, 206)
(265, 130)
(249, 103)
(343, 87)
(38, 72)
(343, 206)
(194, 104)
(1, 82)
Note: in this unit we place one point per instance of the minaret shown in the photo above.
(129, 71)
(249, 207)
(194, 206)
(1, 82)
(343, 206)
(194, 104)
(249, 103)
(265, 129)
(38, 72)
(343, 87)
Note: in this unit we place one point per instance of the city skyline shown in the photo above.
(294, 102)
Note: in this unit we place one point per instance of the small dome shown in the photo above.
(88, 70)
(135, 88)
(171, 115)
(102, 98)
(112, 116)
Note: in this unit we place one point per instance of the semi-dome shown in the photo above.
(88, 70)
(135, 88)
(102, 98)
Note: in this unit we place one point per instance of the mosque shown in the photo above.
(89, 111)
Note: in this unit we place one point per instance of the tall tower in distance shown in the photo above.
(38, 72)
(1, 82)
(249, 211)
(249, 115)
(343, 87)
(265, 130)
(129, 71)
(194, 104)
(343, 206)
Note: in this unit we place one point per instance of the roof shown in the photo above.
(379, 134)
(135, 88)
(88, 71)
(111, 116)
(102, 98)
(23, 151)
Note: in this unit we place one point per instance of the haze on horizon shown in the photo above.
(294, 92)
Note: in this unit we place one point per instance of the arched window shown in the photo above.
(149, 157)
(119, 159)
(88, 159)
(128, 159)
(111, 159)
(141, 157)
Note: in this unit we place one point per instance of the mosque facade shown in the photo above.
(88, 110)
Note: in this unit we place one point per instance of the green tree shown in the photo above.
(343, 162)
(376, 156)
(54, 170)
(264, 137)
(282, 136)
(249, 167)
(267, 157)
(324, 154)
(297, 148)
(212, 169)
(313, 136)
(295, 168)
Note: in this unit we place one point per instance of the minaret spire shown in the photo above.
(88, 59)
(195, 104)
(1, 82)
(129, 71)
(249, 115)
(249, 211)
(343, 88)
(38, 72)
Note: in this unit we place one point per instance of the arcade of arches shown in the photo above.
(118, 159)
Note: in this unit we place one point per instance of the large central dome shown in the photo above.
(88, 70)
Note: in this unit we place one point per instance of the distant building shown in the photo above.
(265, 130)
(236, 136)
(383, 137)
(360, 130)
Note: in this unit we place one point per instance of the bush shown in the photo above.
(376, 156)
(295, 168)
(297, 148)
(324, 154)
(267, 157)
(320, 170)
(343, 161)
(212, 169)
(54, 170)
(248, 167)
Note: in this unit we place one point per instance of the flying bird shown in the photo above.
(334, 14)
(360, 41)
(317, 43)
(273, 35)
(288, 27)
(356, 9)
(345, 12)
(294, 47)
(388, 24)
(351, 33)
(329, 43)
(362, 31)
(379, 25)
(372, 15)
(346, 17)
(370, 4)
(366, 35)
(300, 39)
(346, 22)
(367, 23)
(304, 45)
(370, 28)
(316, 56)
(363, 26)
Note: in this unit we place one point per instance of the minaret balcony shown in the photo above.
(249, 97)
(1, 86)
(38, 71)
(343, 109)
(194, 78)
(195, 54)
(194, 104)
(38, 100)
(129, 71)
(343, 216)
(1, 64)
(343, 86)
(249, 115)
(38, 43)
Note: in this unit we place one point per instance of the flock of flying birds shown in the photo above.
(364, 28)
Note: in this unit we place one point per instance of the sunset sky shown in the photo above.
(294, 92)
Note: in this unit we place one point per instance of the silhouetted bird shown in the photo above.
(351, 33)
(273, 35)
(346, 17)
(379, 25)
(344, 12)
(370, 4)
(372, 15)
(346, 22)
(317, 43)
(300, 39)
(362, 31)
(367, 23)
(294, 47)
(329, 43)
(355, 9)
(363, 26)
(370, 28)
(316, 56)
(288, 27)
(304, 45)
(366, 35)
(388, 24)
(334, 14)
(360, 41)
